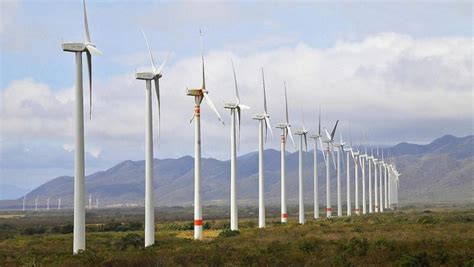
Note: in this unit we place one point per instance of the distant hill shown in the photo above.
(441, 171)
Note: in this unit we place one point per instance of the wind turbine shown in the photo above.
(329, 139)
(263, 121)
(381, 162)
(385, 167)
(376, 195)
(369, 159)
(153, 75)
(90, 201)
(340, 147)
(79, 183)
(47, 203)
(24, 202)
(235, 111)
(199, 94)
(36, 203)
(362, 163)
(59, 203)
(97, 203)
(348, 151)
(356, 181)
(317, 137)
(303, 139)
(286, 131)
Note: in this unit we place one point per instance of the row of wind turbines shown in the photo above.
(386, 174)
(58, 201)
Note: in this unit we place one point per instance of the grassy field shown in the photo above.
(414, 236)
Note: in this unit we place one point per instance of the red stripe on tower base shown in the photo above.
(284, 215)
(329, 209)
(198, 222)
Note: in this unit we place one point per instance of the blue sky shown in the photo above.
(397, 71)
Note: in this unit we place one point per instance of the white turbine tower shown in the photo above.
(317, 137)
(235, 114)
(263, 122)
(97, 203)
(90, 201)
(369, 160)
(24, 203)
(286, 131)
(364, 197)
(59, 203)
(47, 203)
(385, 167)
(329, 139)
(349, 154)
(340, 147)
(79, 183)
(199, 94)
(303, 139)
(153, 75)
(376, 195)
(356, 157)
(36, 203)
(381, 207)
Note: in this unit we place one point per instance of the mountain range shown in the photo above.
(438, 172)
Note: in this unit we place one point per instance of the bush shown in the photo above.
(229, 233)
(132, 239)
(357, 246)
(416, 260)
(38, 229)
(310, 245)
(63, 229)
(427, 219)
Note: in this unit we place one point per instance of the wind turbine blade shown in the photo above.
(342, 152)
(286, 105)
(267, 122)
(89, 71)
(235, 82)
(332, 156)
(163, 64)
(319, 125)
(211, 105)
(327, 134)
(93, 50)
(334, 130)
(291, 136)
(305, 143)
(264, 94)
(202, 60)
(322, 148)
(238, 118)
(86, 24)
(244, 106)
(157, 91)
(149, 52)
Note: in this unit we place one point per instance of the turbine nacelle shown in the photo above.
(147, 76)
(74, 47)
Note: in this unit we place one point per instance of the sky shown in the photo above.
(389, 71)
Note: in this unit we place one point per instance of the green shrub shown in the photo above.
(357, 246)
(419, 259)
(229, 233)
(131, 240)
(310, 245)
(38, 229)
(63, 229)
(427, 219)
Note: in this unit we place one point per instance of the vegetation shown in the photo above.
(403, 238)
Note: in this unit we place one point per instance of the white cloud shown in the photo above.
(390, 84)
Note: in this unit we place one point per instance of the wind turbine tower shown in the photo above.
(199, 94)
(362, 163)
(286, 131)
(316, 137)
(59, 203)
(340, 147)
(302, 133)
(47, 203)
(369, 159)
(235, 115)
(153, 75)
(329, 139)
(36, 203)
(79, 183)
(24, 202)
